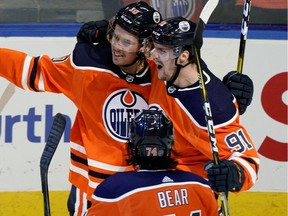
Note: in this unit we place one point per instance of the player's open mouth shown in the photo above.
(117, 54)
(159, 66)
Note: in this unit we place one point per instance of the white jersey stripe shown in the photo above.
(25, 72)
(80, 171)
(106, 166)
(41, 83)
(97, 164)
(245, 164)
(93, 184)
(77, 147)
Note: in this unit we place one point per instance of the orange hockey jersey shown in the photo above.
(106, 98)
(184, 107)
(149, 192)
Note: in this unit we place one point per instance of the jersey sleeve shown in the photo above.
(38, 74)
(242, 151)
(233, 143)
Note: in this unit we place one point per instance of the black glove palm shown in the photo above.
(241, 86)
(226, 176)
(93, 32)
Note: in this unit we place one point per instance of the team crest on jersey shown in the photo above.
(184, 8)
(119, 109)
(129, 78)
(171, 89)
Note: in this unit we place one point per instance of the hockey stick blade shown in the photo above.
(6, 96)
(204, 17)
(54, 137)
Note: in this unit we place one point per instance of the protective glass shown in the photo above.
(164, 53)
(124, 43)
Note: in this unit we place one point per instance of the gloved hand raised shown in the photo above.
(93, 32)
(241, 86)
(226, 176)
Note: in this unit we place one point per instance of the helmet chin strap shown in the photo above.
(176, 74)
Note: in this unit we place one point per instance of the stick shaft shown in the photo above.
(207, 109)
(243, 36)
(204, 17)
(210, 127)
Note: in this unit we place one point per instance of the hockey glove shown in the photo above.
(241, 86)
(93, 32)
(226, 176)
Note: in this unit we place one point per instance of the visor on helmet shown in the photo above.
(164, 53)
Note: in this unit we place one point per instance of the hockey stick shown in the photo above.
(6, 96)
(54, 137)
(197, 40)
(243, 37)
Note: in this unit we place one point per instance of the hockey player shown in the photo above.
(108, 85)
(180, 98)
(154, 187)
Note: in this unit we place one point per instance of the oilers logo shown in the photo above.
(173, 8)
(119, 109)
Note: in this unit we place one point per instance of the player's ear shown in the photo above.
(184, 57)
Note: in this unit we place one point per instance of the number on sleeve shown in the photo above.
(237, 141)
